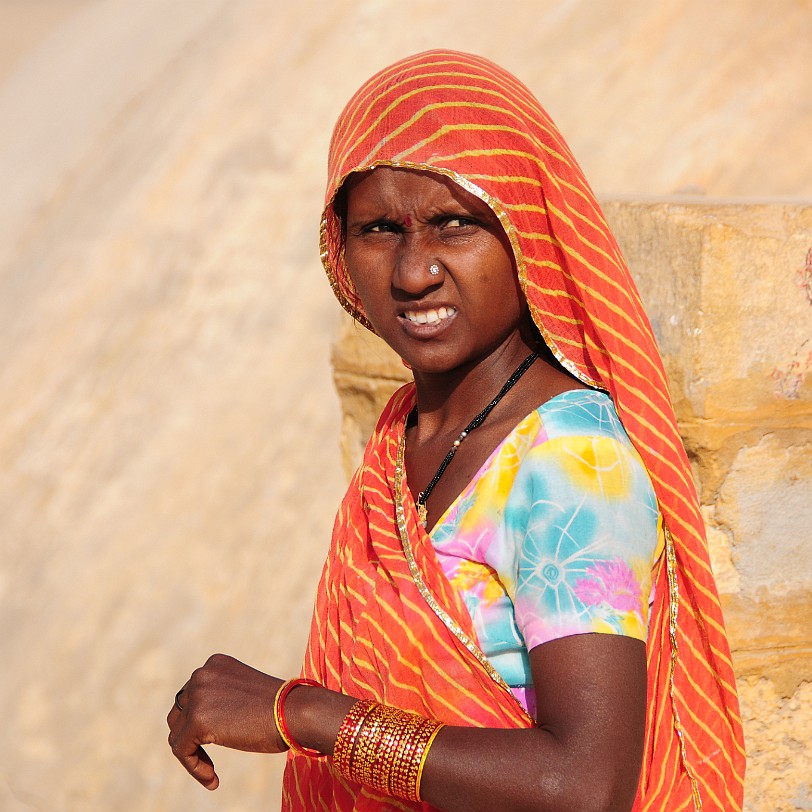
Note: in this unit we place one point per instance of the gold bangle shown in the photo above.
(394, 743)
(415, 754)
(423, 758)
(363, 763)
(398, 780)
(384, 748)
(279, 717)
(348, 734)
(382, 762)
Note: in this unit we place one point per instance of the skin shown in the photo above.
(586, 751)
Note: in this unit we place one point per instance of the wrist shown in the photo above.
(313, 716)
(280, 718)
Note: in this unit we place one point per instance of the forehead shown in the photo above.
(408, 190)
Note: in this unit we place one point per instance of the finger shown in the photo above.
(206, 768)
(199, 765)
(178, 706)
(186, 747)
(181, 697)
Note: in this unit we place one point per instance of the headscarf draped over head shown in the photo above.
(466, 118)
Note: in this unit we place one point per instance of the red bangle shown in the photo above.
(279, 717)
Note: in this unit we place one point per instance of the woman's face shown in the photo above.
(400, 225)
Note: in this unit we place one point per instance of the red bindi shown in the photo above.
(407, 221)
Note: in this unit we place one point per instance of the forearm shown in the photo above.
(585, 754)
(473, 769)
(484, 769)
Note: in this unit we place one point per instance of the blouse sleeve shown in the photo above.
(585, 524)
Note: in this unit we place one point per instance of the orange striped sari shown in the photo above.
(387, 623)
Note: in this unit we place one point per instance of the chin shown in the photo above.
(437, 365)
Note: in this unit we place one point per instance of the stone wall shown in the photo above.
(728, 289)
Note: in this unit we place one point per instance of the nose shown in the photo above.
(417, 268)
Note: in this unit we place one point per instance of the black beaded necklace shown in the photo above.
(423, 496)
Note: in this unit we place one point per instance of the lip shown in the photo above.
(435, 323)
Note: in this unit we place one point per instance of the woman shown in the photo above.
(519, 563)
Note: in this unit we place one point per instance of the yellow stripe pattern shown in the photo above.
(464, 117)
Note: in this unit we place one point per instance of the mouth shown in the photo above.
(433, 316)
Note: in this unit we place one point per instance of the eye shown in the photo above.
(458, 221)
(379, 227)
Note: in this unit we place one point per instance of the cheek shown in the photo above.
(362, 261)
(370, 290)
(505, 279)
(357, 271)
(365, 280)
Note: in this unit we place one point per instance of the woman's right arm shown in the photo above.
(585, 754)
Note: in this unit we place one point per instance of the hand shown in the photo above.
(228, 703)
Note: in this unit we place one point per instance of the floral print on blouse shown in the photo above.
(556, 535)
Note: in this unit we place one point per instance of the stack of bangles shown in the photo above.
(382, 747)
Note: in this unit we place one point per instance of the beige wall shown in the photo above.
(728, 288)
(169, 464)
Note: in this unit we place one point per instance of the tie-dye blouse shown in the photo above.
(555, 535)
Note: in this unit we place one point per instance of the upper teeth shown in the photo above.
(429, 316)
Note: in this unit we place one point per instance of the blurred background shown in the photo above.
(169, 456)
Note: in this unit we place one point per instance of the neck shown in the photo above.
(446, 402)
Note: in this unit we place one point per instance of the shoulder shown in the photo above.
(585, 524)
(581, 413)
(581, 448)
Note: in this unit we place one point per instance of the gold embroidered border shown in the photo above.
(673, 613)
(448, 621)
